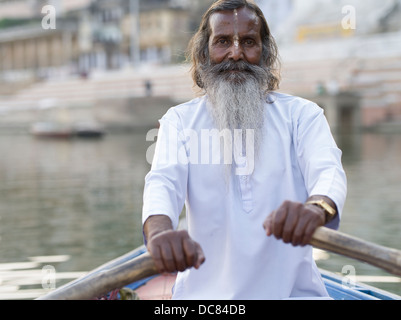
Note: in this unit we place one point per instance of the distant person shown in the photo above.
(84, 74)
(249, 219)
(148, 88)
(320, 89)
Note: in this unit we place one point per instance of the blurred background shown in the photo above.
(82, 82)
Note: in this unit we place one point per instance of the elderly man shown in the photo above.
(250, 215)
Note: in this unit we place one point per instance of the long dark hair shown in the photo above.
(198, 49)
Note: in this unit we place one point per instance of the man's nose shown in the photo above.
(236, 52)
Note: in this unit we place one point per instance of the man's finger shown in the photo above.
(289, 226)
(189, 252)
(157, 258)
(179, 257)
(267, 224)
(299, 231)
(279, 221)
(200, 256)
(309, 230)
(168, 258)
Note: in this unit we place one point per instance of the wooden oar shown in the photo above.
(121, 271)
(101, 282)
(340, 243)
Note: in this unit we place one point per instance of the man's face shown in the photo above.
(235, 36)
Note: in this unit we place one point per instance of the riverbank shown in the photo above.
(113, 114)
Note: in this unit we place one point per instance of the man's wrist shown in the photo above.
(155, 225)
(326, 204)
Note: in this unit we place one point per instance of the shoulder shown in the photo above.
(291, 101)
(184, 110)
(293, 105)
(188, 114)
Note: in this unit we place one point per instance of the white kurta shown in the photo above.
(298, 158)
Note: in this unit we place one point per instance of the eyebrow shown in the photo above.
(249, 34)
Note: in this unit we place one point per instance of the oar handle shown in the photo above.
(119, 275)
(106, 280)
(386, 258)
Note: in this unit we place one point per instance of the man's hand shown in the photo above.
(294, 222)
(171, 250)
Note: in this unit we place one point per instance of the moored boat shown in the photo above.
(52, 129)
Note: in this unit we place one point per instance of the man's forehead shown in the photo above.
(244, 17)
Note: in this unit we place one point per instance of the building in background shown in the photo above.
(335, 47)
(90, 35)
(327, 48)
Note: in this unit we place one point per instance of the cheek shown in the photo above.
(216, 55)
(253, 56)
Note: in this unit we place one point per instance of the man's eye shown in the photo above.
(249, 42)
(222, 41)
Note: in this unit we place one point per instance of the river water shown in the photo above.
(75, 204)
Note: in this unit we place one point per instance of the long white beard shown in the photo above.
(237, 107)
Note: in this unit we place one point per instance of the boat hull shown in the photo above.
(159, 287)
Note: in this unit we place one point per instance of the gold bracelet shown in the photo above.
(329, 210)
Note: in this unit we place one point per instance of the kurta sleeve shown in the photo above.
(320, 158)
(166, 184)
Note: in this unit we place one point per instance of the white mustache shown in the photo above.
(244, 71)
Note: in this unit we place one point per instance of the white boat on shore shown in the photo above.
(60, 130)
